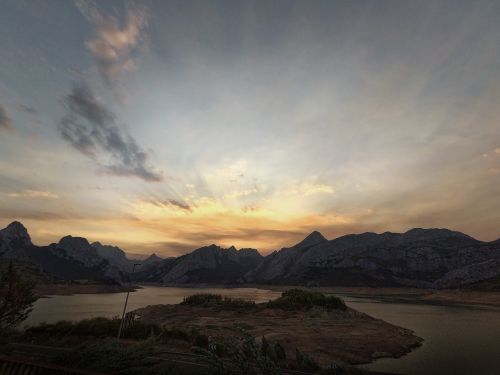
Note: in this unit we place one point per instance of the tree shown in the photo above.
(16, 298)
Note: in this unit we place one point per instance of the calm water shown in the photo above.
(458, 340)
(81, 306)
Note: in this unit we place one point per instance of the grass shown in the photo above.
(209, 300)
(297, 299)
(117, 358)
(95, 327)
(104, 328)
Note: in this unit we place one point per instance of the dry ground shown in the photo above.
(348, 336)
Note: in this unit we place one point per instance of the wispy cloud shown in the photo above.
(27, 109)
(170, 203)
(5, 120)
(91, 128)
(114, 44)
(33, 194)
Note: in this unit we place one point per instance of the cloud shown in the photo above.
(44, 216)
(169, 203)
(27, 109)
(33, 194)
(311, 189)
(5, 121)
(91, 128)
(114, 44)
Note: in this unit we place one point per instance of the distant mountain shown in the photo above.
(150, 260)
(114, 255)
(280, 262)
(430, 258)
(420, 257)
(13, 239)
(210, 264)
(72, 258)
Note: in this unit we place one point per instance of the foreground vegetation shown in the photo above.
(242, 354)
(207, 300)
(212, 334)
(16, 298)
(294, 299)
(238, 352)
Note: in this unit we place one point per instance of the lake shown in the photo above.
(458, 339)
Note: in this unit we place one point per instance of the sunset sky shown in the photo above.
(168, 125)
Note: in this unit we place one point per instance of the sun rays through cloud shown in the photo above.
(165, 126)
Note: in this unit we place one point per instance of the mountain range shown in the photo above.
(429, 258)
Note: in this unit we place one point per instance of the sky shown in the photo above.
(164, 126)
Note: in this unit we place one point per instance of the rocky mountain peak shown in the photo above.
(312, 239)
(152, 258)
(433, 234)
(16, 231)
(74, 243)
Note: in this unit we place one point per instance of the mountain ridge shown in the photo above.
(419, 257)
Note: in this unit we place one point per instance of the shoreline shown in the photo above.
(421, 295)
(442, 296)
(47, 290)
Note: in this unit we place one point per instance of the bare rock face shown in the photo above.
(73, 258)
(281, 262)
(210, 264)
(13, 239)
(470, 274)
(80, 250)
(430, 258)
(151, 260)
(114, 255)
(419, 257)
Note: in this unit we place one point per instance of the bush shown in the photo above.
(305, 363)
(202, 299)
(208, 300)
(295, 299)
(242, 355)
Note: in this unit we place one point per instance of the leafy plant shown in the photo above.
(242, 355)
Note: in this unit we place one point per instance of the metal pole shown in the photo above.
(125, 306)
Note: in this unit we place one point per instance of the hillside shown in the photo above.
(433, 258)
(424, 258)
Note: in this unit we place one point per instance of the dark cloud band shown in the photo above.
(91, 128)
(5, 121)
